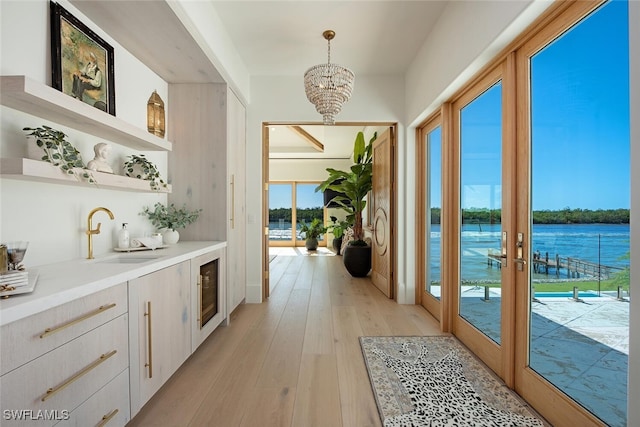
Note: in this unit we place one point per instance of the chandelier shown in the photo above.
(328, 86)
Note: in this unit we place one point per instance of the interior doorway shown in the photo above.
(301, 153)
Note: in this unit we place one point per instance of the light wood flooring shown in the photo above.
(294, 360)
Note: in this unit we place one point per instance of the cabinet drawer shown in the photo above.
(67, 376)
(26, 339)
(109, 407)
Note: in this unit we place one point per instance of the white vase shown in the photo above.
(33, 151)
(170, 237)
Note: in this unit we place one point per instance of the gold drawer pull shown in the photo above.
(51, 331)
(56, 389)
(107, 418)
(150, 364)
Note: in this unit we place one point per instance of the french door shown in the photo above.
(483, 286)
(571, 352)
(538, 192)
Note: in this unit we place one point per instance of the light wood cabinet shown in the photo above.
(60, 380)
(29, 338)
(237, 225)
(207, 170)
(108, 407)
(160, 329)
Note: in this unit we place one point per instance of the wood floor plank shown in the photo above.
(356, 397)
(318, 337)
(225, 403)
(270, 407)
(282, 362)
(318, 393)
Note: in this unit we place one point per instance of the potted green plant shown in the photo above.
(337, 228)
(57, 150)
(311, 233)
(353, 187)
(138, 166)
(170, 219)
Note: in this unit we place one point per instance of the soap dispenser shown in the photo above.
(123, 237)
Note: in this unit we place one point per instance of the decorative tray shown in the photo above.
(141, 248)
(7, 289)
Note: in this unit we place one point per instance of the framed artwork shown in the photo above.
(81, 61)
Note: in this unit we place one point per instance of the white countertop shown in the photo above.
(66, 281)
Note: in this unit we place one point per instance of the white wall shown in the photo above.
(304, 169)
(633, 412)
(52, 217)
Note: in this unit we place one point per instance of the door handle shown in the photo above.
(519, 249)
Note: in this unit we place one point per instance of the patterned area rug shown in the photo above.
(435, 381)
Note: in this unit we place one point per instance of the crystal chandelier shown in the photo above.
(328, 86)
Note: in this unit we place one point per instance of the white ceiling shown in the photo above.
(285, 37)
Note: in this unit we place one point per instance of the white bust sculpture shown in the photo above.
(99, 162)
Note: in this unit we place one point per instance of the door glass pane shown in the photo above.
(481, 204)
(309, 205)
(580, 199)
(280, 219)
(434, 205)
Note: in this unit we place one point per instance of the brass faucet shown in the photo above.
(90, 231)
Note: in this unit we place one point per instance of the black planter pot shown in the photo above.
(357, 260)
(337, 244)
(311, 244)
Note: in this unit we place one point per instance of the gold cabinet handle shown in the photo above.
(105, 419)
(53, 390)
(233, 201)
(199, 309)
(53, 330)
(150, 364)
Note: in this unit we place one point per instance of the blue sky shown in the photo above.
(280, 196)
(580, 95)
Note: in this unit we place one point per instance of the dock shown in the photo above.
(573, 267)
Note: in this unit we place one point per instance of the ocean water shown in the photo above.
(607, 244)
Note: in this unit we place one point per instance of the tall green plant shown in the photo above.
(353, 185)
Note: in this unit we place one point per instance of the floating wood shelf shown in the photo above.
(29, 96)
(35, 170)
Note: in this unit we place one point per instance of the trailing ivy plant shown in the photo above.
(138, 166)
(58, 151)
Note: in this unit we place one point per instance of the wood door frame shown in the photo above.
(427, 300)
(368, 227)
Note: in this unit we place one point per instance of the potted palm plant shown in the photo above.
(353, 187)
(311, 232)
